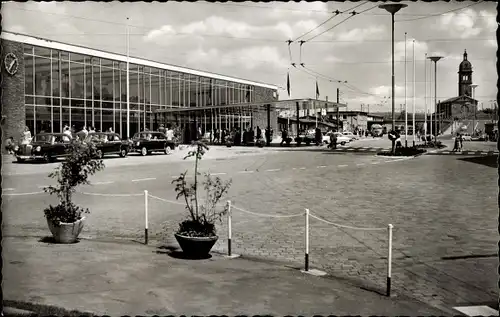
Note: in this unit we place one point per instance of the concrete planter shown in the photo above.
(66, 232)
(196, 247)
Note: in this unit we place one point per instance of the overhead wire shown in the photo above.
(442, 13)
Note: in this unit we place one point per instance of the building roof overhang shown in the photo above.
(36, 41)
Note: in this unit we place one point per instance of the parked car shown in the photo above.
(44, 146)
(341, 139)
(108, 143)
(350, 135)
(147, 142)
(466, 137)
(307, 137)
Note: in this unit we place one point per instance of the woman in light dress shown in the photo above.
(26, 136)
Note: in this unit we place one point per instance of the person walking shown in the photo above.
(284, 136)
(456, 146)
(26, 136)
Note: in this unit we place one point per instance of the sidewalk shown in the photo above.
(132, 279)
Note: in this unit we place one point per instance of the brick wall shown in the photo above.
(260, 116)
(13, 110)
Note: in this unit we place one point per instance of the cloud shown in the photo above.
(358, 35)
(492, 43)
(489, 20)
(461, 25)
(200, 56)
(164, 30)
(315, 9)
(386, 90)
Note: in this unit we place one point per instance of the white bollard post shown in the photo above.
(389, 261)
(146, 216)
(307, 242)
(229, 233)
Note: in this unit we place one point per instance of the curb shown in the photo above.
(11, 311)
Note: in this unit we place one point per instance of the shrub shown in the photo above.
(202, 216)
(75, 170)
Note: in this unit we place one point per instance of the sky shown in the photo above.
(249, 40)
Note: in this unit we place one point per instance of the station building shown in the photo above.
(48, 84)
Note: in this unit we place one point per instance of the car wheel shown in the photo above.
(123, 153)
(20, 160)
(168, 150)
(99, 154)
(342, 143)
(144, 151)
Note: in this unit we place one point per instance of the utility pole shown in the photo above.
(338, 110)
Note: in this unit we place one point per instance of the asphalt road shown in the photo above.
(443, 209)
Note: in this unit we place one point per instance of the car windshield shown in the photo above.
(44, 138)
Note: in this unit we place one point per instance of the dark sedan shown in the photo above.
(149, 141)
(44, 146)
(108, 143)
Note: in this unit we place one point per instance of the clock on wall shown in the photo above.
(11, 63)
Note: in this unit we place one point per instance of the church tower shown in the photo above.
(465, 77)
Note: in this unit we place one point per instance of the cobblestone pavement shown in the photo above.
(440, 206)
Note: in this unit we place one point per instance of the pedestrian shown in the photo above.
(398, 139)
(9, 145)
(460, 137)
(26, 136)
(259, 133)
(169, 133)
(333, 140)
(284, 136)
(456, 146)
(162, 129)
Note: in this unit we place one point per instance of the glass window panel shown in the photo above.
(174, 79)
(77, 83)
(107, 83)
(95, 61)
(56, 124)
(42, 51)
(64, 56)
(77, 118)
(97, 82)
(97, 119)
(42, 100)
(29, 100)
(223, 96)
(30, 118)
(65, 116)
(107, 119)
(28, 49)
(64, 79)
(77, 103)
(140, 88)
(107, 105)
(117, 116)
(88, 81)
(88, 117)
(77, 57)
(124, 85)
(155, 89)
(147, 90)
(29, 88)
(42, 76)
(106, 62)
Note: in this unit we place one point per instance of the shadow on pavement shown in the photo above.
(490, 161)
(176, 253)
(51, 240)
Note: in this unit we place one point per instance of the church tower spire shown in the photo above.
(465, 77)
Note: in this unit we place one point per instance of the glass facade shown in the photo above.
(69, 88)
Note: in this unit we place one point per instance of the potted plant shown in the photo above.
(197, 234)
(229, 140)
(65, 220)
(261, 142)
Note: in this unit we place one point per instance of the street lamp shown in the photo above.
(392, 8)
(473, 86)
(435, 59)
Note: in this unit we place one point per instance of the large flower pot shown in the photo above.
(66, 232)
(196, 247)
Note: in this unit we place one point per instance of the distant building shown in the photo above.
(356, 120)
(463, 106)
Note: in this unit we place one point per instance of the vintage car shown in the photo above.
(44, 146)
(151, 141)
(108, 143)
(350, 135)
(341, 139)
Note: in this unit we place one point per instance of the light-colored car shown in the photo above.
(341, 139)
(350, 135)
(466, 137)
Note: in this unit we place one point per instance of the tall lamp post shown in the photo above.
(473, 86)
(392, 8)
(435, 59)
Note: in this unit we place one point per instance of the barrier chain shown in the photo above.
(265, 215)
(389, 256)
(229, 228)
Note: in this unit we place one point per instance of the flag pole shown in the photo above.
(425, 98)
(413, 121)
(128, 82)
(406, 108)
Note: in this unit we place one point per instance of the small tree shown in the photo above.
(201, 222)
(80, 163)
